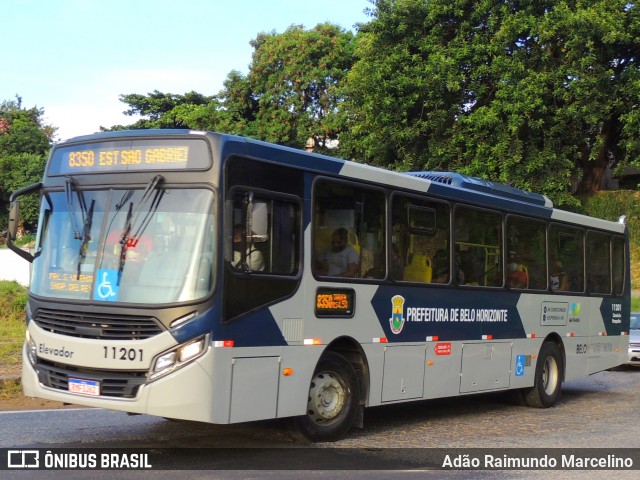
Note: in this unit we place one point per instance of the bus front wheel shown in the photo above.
(333, 401)
(548, 378)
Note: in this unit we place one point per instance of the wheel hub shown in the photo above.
(326, 397)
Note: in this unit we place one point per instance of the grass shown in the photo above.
(23, 241)
(13, 299)
(10, 390)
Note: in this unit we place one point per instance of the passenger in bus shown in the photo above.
(397, 265)
(254, 257)
(517, 277)
(558, 280)
(441, 266)
(341, 260)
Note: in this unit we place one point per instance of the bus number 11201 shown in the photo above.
(130, 354)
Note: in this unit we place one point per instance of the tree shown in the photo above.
(289, 95)
(294, 78)
(160, 110)
(23, 130)
(25, 141)
(233, 110)
(525, 92)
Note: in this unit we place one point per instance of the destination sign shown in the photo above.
(130, 155)
(335, 302)
(70, 282)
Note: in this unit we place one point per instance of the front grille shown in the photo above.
(97, 325)
(112, 384)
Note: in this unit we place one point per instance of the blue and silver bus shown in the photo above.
(214, 278)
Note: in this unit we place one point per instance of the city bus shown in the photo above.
(214, 278)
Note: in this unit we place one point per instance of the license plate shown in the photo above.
(84, 387)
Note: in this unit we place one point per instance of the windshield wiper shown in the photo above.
(131, 240)
(69, 188)
(87, 220)
(86, 237)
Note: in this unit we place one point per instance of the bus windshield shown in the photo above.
(148, 246)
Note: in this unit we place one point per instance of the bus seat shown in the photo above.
(419, 269)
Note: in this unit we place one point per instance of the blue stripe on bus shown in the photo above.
(195, 327)
(257, 329)
(411, 314)
(293, 157)
(616, 314)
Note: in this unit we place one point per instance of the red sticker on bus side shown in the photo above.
(442, 348)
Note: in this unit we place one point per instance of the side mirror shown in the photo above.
(14, 214)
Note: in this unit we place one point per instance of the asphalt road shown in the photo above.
(398, 441)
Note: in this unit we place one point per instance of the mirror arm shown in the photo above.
(14, 215)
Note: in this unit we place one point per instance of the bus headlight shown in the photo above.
(165, 361)
(31, 349)
(178, 357)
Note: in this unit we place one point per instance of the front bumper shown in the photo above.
(187, 394)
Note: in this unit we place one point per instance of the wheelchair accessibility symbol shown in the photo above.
(520, 363)
(107, 287)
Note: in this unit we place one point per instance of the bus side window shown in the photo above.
(566, 258)
(478, 237)
(526, 253)
(272, 246)
(348, 231)
(421, 233)
(599, 264)
(617, 264)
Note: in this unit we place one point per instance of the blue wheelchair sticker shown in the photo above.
(106, 288)
(520, 363)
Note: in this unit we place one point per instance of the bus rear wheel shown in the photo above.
(333, 402)
(548, 378)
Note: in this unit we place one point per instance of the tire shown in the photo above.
(333, 401)
(548, 380)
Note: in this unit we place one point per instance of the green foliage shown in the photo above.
(161, 110)
(22, 130)
(294, 78)
(522, 92)
(13, 300)
(610, 205)
(24, 144)
(18, 171)
(289, 95)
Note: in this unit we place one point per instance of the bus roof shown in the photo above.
(450, 185)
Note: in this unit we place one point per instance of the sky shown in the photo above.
(74, 58)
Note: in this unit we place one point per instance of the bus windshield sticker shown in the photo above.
(107, 287)
(554, 313)
(520, 364)
(442, 348)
